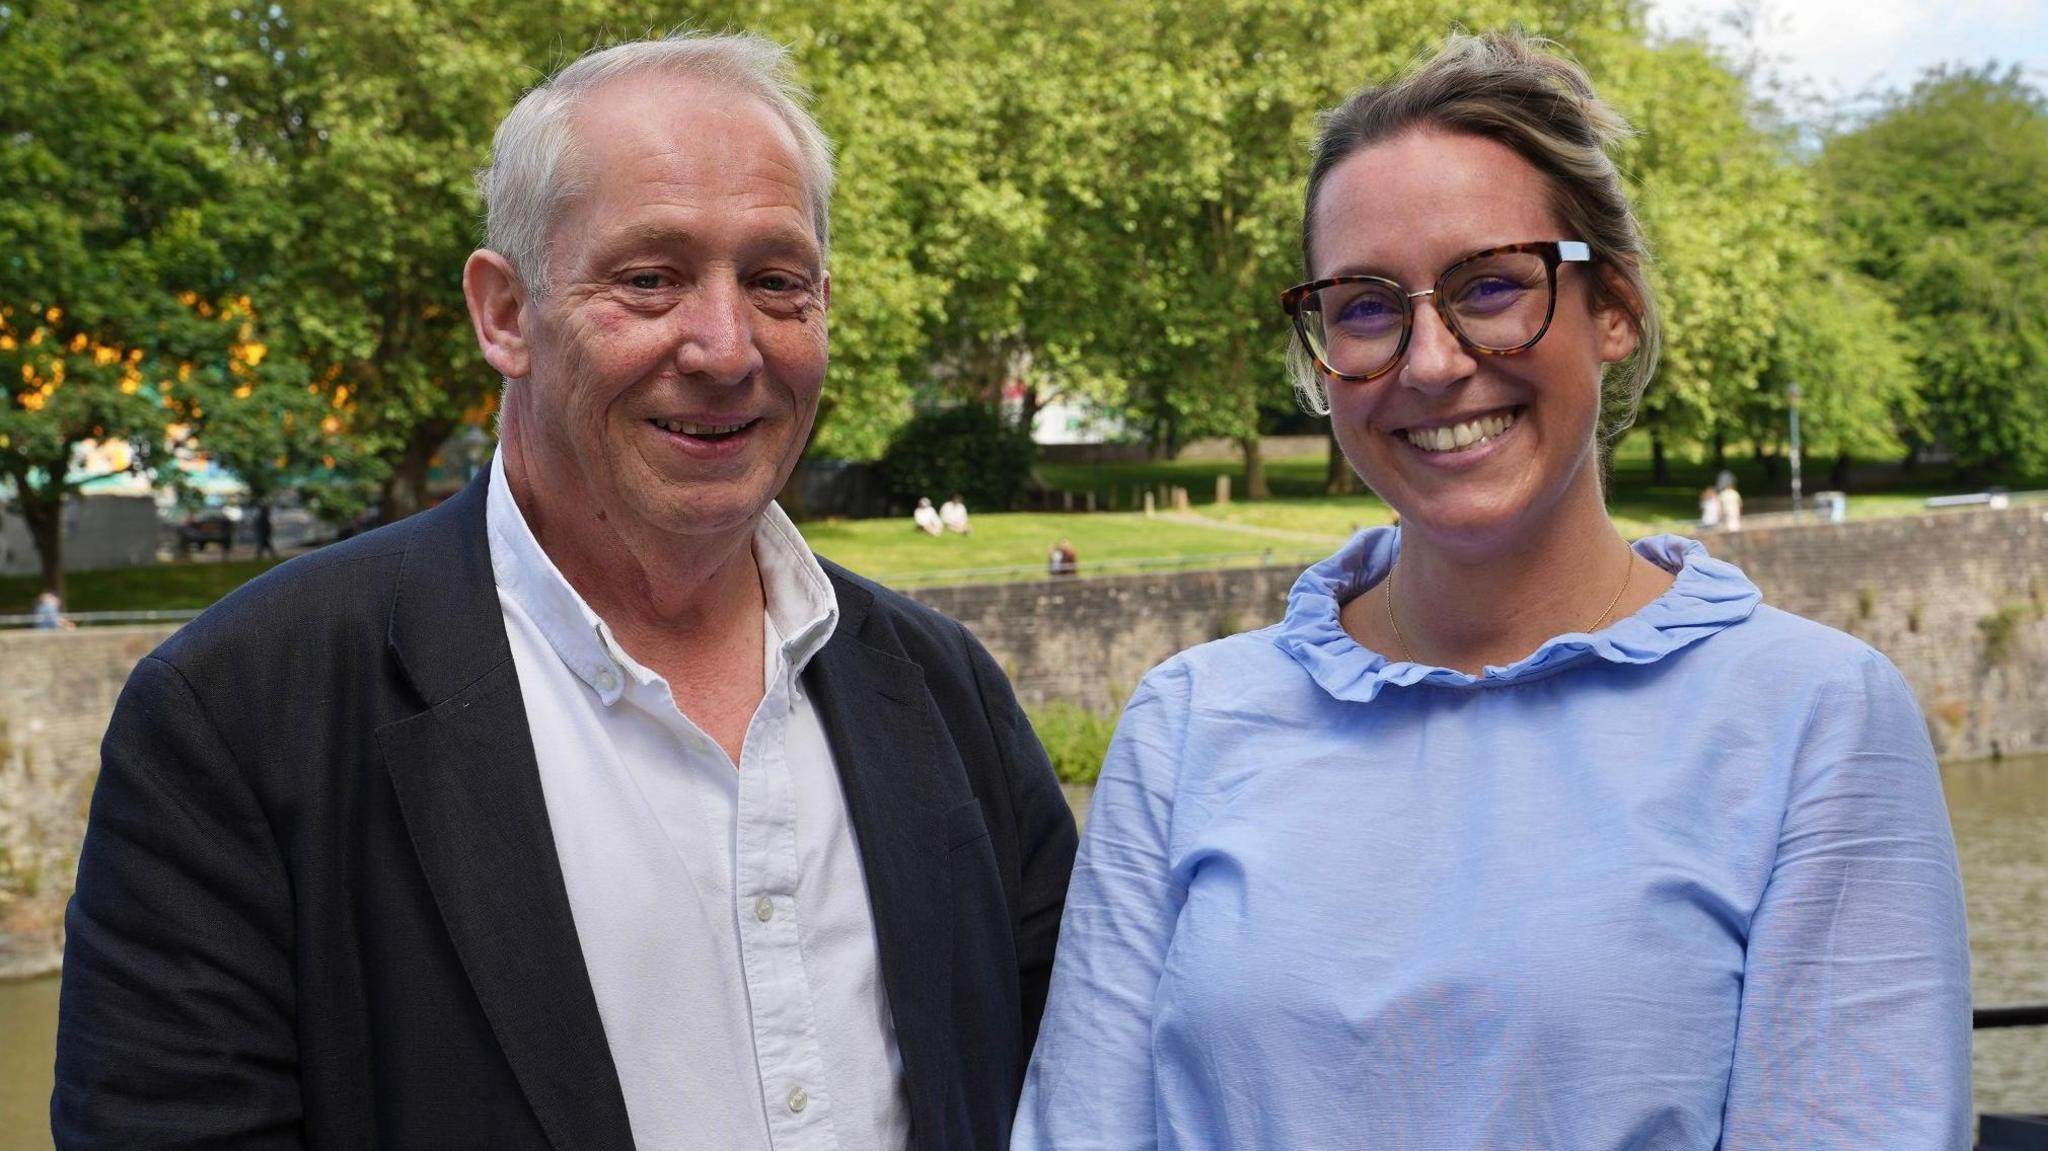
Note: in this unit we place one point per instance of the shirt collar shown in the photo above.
(802, 607)
(1707, 596)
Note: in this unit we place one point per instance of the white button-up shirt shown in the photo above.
(722, 913)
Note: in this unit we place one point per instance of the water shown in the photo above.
(2000, 811)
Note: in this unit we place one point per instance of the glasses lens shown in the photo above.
(1355, 329)
(1499, 303)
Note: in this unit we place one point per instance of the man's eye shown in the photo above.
(646, 281)
(780, 284)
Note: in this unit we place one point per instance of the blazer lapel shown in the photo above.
(469, 786)
(877, 719)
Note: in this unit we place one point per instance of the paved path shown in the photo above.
(1201, 521)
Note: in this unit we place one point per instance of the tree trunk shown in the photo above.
(405, 490)
(1660, 467)
(1254, 469)
(1770, 462)
(1838, 475)
(1720, 451)
(43, 514)
(1027, 412)
(1338, 478)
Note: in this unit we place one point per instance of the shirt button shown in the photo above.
(606, 680)
(764, 910)
(798, 1100)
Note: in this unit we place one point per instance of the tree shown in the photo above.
(115, 189)
(373, 118)
(1941, 196)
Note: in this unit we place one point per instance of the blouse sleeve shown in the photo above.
(1855, 1023)
(1090, 1083)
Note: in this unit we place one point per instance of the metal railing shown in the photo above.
(2014, 1015)
(103, 618)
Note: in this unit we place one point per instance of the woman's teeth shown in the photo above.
(682, 429)
(1458, 437)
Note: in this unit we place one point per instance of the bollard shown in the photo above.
(1222, 491)
(1149, 508)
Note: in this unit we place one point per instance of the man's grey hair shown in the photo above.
(535, 168)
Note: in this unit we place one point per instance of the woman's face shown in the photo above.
(1406, 209)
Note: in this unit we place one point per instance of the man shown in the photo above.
(588, 809)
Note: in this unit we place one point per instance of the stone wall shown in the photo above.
(56, 691)
(1956, 599)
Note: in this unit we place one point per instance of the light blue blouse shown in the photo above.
(1685, 883)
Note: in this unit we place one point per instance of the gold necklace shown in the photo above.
(1408, 656)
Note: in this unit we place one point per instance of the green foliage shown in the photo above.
(1076, 739)
(969, 449)
(123, 310)
(1942, 198)
(2000, 632)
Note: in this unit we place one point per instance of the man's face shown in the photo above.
(677, 358)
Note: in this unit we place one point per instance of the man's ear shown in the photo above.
(497, 310)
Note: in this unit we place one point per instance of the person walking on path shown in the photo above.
(263, 532)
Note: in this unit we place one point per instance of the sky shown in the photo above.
(1840, 48)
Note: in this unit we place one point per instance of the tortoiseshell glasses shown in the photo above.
(1496, 302)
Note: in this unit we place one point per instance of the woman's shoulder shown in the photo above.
(1247, 662)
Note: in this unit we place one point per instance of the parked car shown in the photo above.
(212, 526)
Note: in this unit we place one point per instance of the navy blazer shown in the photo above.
(319, 904)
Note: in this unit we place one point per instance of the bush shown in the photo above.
(1075, 738)
(968, 449)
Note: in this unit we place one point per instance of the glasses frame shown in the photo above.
(1554, 252)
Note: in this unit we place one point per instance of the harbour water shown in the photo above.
(2000, 813)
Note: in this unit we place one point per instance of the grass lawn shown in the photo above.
(159, 587)
(1014, 545)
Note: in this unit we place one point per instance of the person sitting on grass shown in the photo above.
(953, 513)
(926, 517)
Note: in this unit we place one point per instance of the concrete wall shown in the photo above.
(99, 532)
(1956, 599)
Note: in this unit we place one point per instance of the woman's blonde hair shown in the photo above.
(1526, 94)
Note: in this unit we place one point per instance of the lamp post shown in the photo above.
(1792, 404)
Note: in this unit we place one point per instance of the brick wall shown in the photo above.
(1956, 599)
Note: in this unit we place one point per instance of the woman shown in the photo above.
(1510, 835)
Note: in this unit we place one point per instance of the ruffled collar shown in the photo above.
(1708, 595)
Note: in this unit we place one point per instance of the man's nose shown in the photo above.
(1435, 358)
(716, 336)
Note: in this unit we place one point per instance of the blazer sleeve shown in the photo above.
(1854, 1029)
(1046, 837)
(175, 1020)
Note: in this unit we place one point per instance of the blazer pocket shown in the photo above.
(964, 825)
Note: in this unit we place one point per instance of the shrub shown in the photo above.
(968, 449)
(1075, 739)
